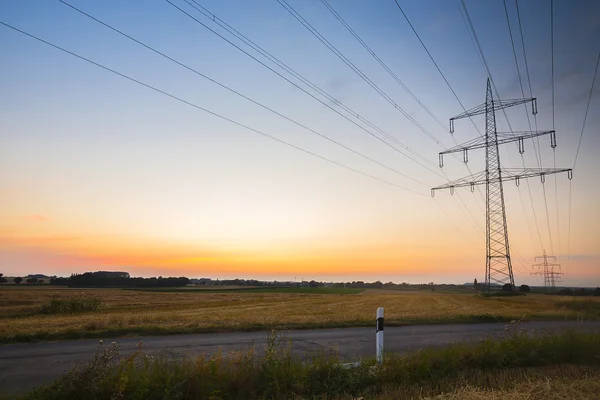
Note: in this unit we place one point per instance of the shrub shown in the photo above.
(72, 304)
(507, 287)
(524, 289)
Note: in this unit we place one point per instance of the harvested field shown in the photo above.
(127, 312)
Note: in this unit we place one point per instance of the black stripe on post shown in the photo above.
(379, 324)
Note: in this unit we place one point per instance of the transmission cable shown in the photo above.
(587, 108)
(395, 77)
(512, 42)
(305, 91)
(479, 48)
(553, 125)
(357, 70)
(160, 91)
(436, 65)
(380, 61)
(215, 19)
(242, 95)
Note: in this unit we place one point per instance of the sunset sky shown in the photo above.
(100, 173)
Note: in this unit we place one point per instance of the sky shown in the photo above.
(99, 172)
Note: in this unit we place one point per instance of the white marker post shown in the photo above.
(379, 336)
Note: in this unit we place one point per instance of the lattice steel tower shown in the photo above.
(498, 266)
(546, 269)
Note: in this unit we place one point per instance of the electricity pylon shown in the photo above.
(548, 272)
(498, 266)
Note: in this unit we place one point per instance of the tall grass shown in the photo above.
(276, 373)
(72, 304)
(589, 307)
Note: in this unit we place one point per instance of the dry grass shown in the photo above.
(136, 312)
(583, 387)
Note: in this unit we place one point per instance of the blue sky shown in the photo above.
(124, 171)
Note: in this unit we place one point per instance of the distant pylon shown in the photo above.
(546, 269)
(498, 266)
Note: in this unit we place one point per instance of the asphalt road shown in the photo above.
(25, 366)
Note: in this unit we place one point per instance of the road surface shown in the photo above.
(28, 365)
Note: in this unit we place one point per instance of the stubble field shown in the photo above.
(128, 312)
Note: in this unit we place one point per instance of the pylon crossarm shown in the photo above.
(508, 174)
(503, 138)
(511, 174)
(498, 105)
(475, 179)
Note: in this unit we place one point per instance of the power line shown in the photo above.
(435, 63)
(538, 153)
(212, 17)
(357, 70)
(380, 61)
(486, 67)
(242, 95)
(587, 108)
(512, 42)
(553, 123)
(552, 51)
(447, 83)
(335, 101)
(160, 91)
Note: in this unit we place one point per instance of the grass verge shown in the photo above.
(277, 373)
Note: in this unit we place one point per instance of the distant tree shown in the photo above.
(579, 292)
(2, 279)
(524, 289)
(40, 281)
(507, 287)
(313, 284)
(31, 281)
(597, 291)
(475, 284)
(18, 280)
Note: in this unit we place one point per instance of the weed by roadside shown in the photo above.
(278, 373)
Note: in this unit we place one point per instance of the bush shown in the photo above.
(73, 304)
(524, 289)
(507, 288)
(597, 291)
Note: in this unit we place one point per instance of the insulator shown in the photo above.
(517, 180)
(534, 106)
(441, 160)
(452, 190)
(451, 126)
(553, 139)
(465, 156)
(472, 187)
(570, 174)
(543, 177)
(432, 193)
(521, 144)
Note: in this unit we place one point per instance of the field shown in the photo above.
(129, 312)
